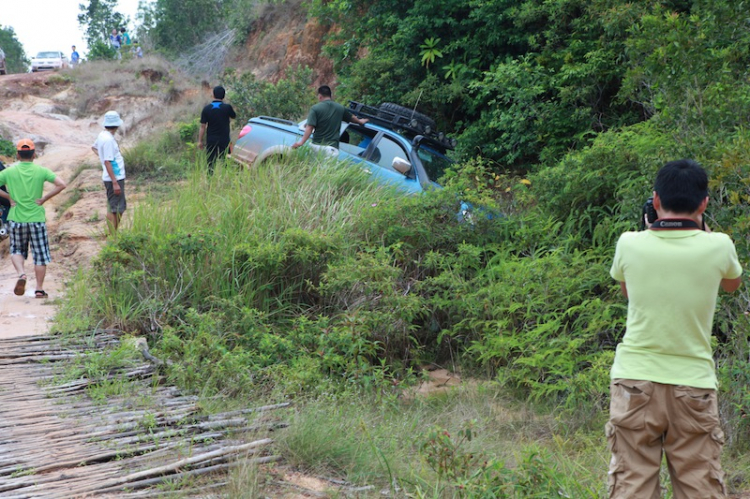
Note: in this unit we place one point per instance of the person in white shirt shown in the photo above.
(113, 168)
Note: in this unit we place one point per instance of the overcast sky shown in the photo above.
(42, 25)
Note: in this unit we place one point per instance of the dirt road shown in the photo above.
(31, 108)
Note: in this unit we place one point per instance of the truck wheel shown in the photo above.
(422, 119)
(272, 159)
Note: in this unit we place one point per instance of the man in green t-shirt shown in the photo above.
(25, 182)
(324, 121)
(663, 389)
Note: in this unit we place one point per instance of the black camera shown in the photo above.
(648, 212)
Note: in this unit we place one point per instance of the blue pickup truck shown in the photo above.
(397, 146)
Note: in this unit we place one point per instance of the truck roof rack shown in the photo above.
(414, 125)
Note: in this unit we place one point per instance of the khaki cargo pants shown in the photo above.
(647, 418)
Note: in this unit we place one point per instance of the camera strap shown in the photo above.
(675, 224)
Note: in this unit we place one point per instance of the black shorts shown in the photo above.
(117, 204)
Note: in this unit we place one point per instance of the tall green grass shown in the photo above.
(222, 235)
(471, 442)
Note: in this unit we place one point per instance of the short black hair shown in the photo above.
(682, 186)
(325, 91)
(219, 92)
(26, 154)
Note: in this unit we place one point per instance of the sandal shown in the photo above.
(20, 285)
(40, 293)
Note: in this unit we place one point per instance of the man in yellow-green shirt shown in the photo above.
(663, 391)
(27, 219)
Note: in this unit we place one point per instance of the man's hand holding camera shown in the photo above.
(653, 211)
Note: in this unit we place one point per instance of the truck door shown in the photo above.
(380, 155)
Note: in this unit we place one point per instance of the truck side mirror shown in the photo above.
(401, 165)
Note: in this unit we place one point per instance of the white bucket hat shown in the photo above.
(111, 118)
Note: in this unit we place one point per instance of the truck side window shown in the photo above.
(435, 162)
(357, 140)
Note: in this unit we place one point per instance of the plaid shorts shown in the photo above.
(23, 233)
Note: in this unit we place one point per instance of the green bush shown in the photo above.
(368, 295)
(189, 131)
(7, 148)
(101, 51)
(673, 70)
(165, 156)
(286, 270)
(538, 323)
(289, 98)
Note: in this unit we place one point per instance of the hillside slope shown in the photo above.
(282, 38)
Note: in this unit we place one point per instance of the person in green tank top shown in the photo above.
(25, 182)
(324, 121)
(663, 401)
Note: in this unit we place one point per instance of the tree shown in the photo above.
(430, 51)
(146, 19)
(15, 57)
(98, 19)
(181, 24)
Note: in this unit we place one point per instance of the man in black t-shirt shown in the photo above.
(215, 117)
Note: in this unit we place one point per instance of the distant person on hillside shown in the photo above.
(113, 169)
(124, 38)
(74, 56)
(324, 121)
(663, 401)
(215, 127)
(28, 220)
(115, 42)
(125, 43)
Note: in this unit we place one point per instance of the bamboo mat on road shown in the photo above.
(55, 442)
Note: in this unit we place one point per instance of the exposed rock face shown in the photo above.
(284, 38)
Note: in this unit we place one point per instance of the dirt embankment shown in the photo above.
(282, 39)
(39, 107)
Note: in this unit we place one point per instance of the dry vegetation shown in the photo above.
(150, 93)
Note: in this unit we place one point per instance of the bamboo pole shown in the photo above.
(186, 462)
(192, 473)
(57, 443)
